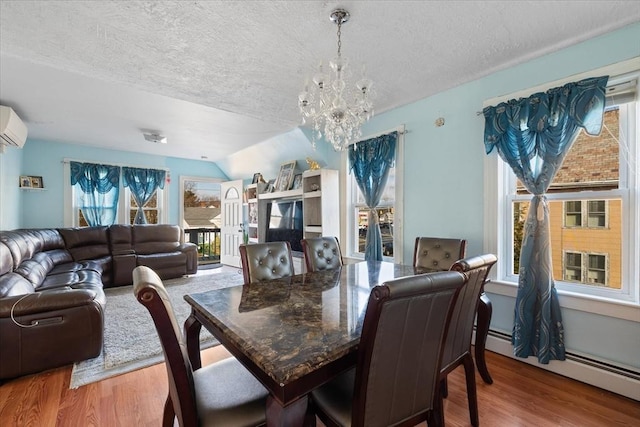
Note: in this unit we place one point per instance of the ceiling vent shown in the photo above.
(154, 137)
(13, 131)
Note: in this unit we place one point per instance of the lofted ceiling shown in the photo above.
(215, 77)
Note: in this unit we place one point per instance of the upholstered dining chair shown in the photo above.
(437, 254)
(321, 253)
(457, 346)
(395, 381)
(266, 261)
(223, 393)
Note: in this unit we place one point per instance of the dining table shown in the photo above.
(293, 334)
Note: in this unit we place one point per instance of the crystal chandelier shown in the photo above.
(331, 108)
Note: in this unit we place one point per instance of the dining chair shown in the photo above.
(223, 393)
(457, 346)
(266, 261)
(437, 254)
(321, 253)
(395, 381)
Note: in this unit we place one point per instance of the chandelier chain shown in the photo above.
(339, 39)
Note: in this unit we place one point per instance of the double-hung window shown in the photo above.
(594, 207)
(154, 210)
(388, 211)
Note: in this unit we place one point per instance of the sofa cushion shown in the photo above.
(120, 239)
(12, 284)
(20, 245)
(154, 239)
(71, 278)
(33, 271)
(86, 243)
(6, 260)
(163, 260)
(59, 256)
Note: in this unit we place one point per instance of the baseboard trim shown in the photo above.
(608, 377)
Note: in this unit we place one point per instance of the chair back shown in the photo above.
(436, 254)
(458, 341)
(321, 253)
(401, 347)
(151, 293)
(266, 261)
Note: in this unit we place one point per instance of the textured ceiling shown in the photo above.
(218, 76)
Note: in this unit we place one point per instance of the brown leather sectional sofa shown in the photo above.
(51, 287)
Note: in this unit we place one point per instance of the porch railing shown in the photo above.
(208, 241)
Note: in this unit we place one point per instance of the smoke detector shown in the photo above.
(154, 137)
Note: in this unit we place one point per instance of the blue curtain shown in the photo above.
(143, 184)
(97, 191)
(533, 135)
(370, 162)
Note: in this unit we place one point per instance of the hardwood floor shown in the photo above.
(521, 395)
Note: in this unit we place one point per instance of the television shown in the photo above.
(284, 222)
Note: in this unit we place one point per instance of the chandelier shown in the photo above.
(333, 110)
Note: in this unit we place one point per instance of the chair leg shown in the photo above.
(444, 388)
(435, 417)
(484, 319)
(192, 329)
(168, 416)
(472, 396)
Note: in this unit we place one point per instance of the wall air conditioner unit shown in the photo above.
(13, 131)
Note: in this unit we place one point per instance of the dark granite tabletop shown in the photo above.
(294, 326)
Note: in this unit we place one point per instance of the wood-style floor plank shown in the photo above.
(521, 396)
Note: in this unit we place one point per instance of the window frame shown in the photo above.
(498, 212)
(351, 204)
(71, 210)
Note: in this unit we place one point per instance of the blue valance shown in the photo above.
(95, 177)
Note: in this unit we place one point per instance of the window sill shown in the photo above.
(591, 304)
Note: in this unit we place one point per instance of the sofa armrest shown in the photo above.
(49, 329)
(39, 302)
(191, 251)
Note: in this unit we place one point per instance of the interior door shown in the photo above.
(231, 231)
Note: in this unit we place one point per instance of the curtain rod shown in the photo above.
(122, 165)
(400, 129)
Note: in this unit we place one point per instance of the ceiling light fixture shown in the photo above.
(333, 112)
(154, 137)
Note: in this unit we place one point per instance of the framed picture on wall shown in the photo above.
(36, 182)
(25, 181)
(285, 176)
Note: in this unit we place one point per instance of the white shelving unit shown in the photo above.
(321, 210)
(252, 219)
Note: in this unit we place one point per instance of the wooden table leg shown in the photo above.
(192, 327)
(484, 319)
(292, 415)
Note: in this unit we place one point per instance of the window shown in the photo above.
(154, 210)
(573, 267)
(388, 211)
(594, 207)
(597, 270)
(584, 267)
(573, 214)
(595, 213)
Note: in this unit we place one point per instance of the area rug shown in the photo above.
(130, 338)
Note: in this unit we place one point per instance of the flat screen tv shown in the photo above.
(284, 222)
